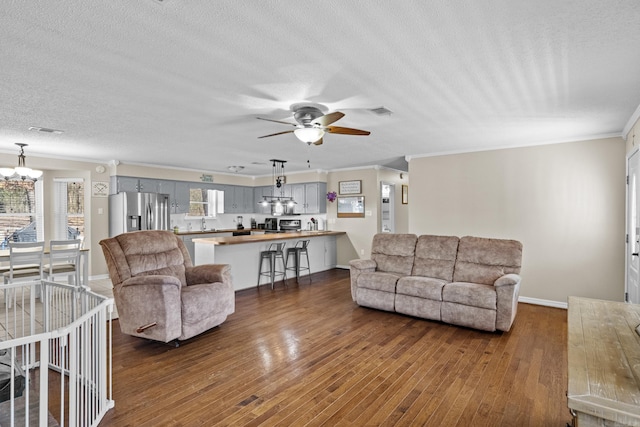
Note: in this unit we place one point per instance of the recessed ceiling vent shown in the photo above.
(381, 111)
(46, 130)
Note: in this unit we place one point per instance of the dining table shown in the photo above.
(83, 266)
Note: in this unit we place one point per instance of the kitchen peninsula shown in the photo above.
(243, 252)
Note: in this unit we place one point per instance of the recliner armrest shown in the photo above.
(152, 279)
(208, 273)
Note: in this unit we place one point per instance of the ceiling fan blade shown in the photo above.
(346, 131)
(277, 121)
(318, 142)
(327, 119)
(274, 134)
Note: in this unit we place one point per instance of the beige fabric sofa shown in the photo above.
(158, 292)
(468, 281)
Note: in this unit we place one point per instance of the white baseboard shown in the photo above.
(99, 277)
(545, 302)
(344, 267)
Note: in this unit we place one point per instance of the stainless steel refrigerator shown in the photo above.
(138, 211)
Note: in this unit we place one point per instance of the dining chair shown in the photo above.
(64, 259)
(25, 263)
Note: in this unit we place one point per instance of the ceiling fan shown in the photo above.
(313, 123)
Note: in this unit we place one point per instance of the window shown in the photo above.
(20, 209)
(68, 209)
(203, 202)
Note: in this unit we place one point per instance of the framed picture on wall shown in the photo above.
(350, 187)
(351, 207)
(405, 194)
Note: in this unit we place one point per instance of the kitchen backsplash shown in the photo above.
(229, 221)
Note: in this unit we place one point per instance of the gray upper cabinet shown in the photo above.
(137, 185)
(178, 192)
(238, 199)
(258, 193)
(310, 197)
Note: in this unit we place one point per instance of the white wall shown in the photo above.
(564, 202)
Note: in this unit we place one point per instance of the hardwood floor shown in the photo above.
(308, 355)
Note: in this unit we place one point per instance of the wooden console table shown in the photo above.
(604, 363)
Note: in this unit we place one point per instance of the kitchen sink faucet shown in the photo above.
(203, 227)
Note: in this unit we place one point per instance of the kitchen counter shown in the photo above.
(211, 231)
(267, 237)
(243, 253)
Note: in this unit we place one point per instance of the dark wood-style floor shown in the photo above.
(307, 355)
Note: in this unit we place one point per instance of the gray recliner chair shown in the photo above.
(158, 292)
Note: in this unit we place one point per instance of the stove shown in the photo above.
(288, 225)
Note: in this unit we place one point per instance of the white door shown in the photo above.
(633, 229)
(387, 208)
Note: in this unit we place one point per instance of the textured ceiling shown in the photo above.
(180, 83)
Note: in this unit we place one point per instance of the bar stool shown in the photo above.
(297, 251)
(275, 251)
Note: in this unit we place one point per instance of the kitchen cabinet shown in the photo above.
(310, 197)
(258, 193)
(178, 192)
(238, 199)
(136, 185)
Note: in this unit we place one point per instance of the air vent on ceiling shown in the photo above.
(46, 130)
(381, 111)
(160, 1)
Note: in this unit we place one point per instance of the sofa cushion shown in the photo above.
(379, 281)
(482, 260)
(423, 287)
(394, 253)
(418, 307)
(471, 317)
(472, 294)
(435, 256)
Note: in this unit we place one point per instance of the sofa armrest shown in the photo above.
(363, 264)
(208, 273)
(356, 268)
(507, 290)
(507, 280)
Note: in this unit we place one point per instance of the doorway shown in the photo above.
(387, 207)
(632, 261)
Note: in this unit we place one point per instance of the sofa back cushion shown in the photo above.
(394, 253)
(435, 256)
(482, 260)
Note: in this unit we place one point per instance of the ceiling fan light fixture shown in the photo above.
(309, 135)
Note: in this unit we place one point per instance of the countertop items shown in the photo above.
(234, 240)
(603, 362)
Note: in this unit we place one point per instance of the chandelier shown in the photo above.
(21, 171)
(279, 202)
